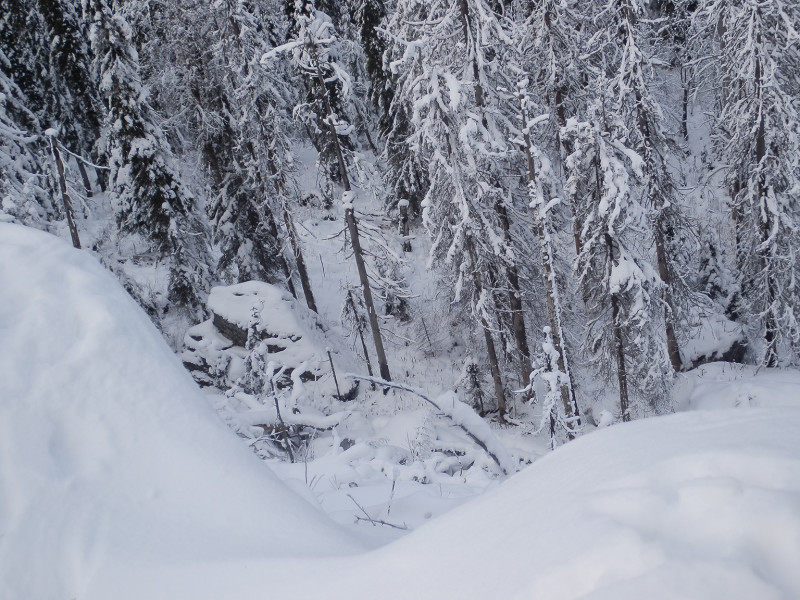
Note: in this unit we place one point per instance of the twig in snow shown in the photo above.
(374, 521)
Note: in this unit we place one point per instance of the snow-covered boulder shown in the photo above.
(296, 340)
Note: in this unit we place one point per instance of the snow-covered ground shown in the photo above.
(119, 480)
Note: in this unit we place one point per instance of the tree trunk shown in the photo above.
(273, 231)
(85, 178)
(515, 302)
(619, 344)
(568, 399)
(658, 205)
(685, 106)
(305, 282)
(403, 206)
(494, 365)
(360, 331)
(352, 227)
(765, 225)
(73, 230)
(669, 312)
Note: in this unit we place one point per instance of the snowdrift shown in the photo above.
(118, 481)
(696, 506)
(109, 454)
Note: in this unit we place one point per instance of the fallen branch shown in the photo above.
(504, 463)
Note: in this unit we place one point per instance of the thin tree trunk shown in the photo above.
(360, 331)
(403, 205)
(352, 227)
(515, 302)
(669, 312)
(305, 282)
(273, 231)
(658, 205)
(619, 344)
(765, 225)
(685, 107)
(568, 399)
(85, 178)
(101, 179)
(494, 365)
(73, 230)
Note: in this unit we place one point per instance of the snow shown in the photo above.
(118, 480)
(109, 455)
(723, 385)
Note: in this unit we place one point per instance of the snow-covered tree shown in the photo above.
(622, 289)
(24, 196)
(311, 54)
(74, 102)
(757, 62)
(450, 77)
(244, 142)
(539, 183)
(552, 42)
(149, 196)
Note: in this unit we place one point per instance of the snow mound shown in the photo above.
(697, 505)
(730, 385)
(117, 480)
(109, 455)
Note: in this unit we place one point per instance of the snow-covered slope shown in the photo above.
(117, 480)
(702, 506)
(109, 455)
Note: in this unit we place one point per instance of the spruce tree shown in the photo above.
(757, 62)
(149, 196)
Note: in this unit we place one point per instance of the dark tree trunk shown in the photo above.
(403, 206)
(73, 230)
(360, 331)
(619, 344)
(515, 302)
(669, 312)
(87, 185)
(494, 364)
(352, 227)
(305, 282)
(765, 225)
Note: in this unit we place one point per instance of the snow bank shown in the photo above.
(730, 385)
(109, 455)
(702, 505)
(698, 505)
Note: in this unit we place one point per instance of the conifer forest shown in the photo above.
(399, 250)
(567, 199)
